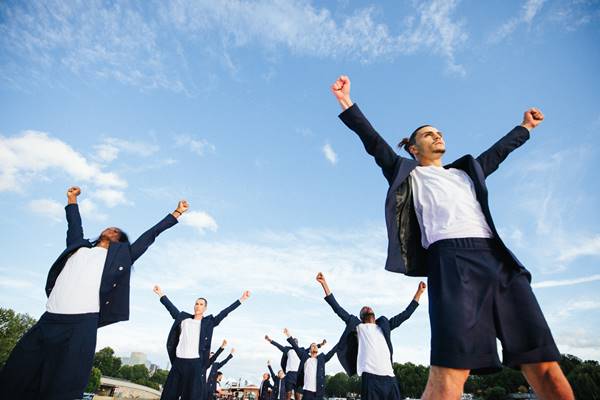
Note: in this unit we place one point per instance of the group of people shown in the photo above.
(439, 226)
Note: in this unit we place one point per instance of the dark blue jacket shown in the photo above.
(321, 361)
(348, 344)
(209, 322)
(211, 382)
(405, 253)
(263, 392)
(284, 350)
(279, 392)
(114, 287)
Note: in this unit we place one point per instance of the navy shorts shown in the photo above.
(477, 295)
(290, 382)
(378, 387)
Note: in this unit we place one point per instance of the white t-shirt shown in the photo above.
(373, 352)
(446, 205)
(310, 374)
(77, 288)
(293, 362)
(189, 339)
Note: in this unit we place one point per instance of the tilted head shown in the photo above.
(219, 376)
(426, 143)
(281, 374)
(314, 350)
(114, 235)
(265, 376)
(367, 315)
(200, 306)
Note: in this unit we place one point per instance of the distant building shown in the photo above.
(136, 358)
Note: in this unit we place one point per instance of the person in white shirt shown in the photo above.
(439, 225)
(365, 348)
(87, 288)
(188, 347)
(311, 374)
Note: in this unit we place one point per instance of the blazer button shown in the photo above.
(114, 285)
(107, 302)
(120, 268)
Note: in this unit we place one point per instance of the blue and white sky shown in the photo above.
(227, 104)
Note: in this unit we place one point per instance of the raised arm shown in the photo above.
(220, 316)
(220, 364)
(273, 375)
(404, 315)
(343, 314)
(331, 352)
(354, 119)
(274, 343)
(166, 302)
(302, 354)
(216, 354)
(491, 158)
(74, 226)
(142, 243)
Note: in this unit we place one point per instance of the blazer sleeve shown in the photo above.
(74, 226)
(214, 357)
(343, 314)
(220, 316)
(374, 144)
(491, 158)
(272, 373)
(225, 361)
(169, 306)
(142, 243)
(280, 347)
(404, 315)
(302, 355)
(331, 352)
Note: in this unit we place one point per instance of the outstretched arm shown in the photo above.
(166, 302)
(302, 354)
(274, 343)
(220, 316)
(216, 355)
(220, 364)
(273, 375)
(343, 314)
(331, 352)
(142, 243)
(491, 158)
(74, 227)
(404, 315)
(354, 119)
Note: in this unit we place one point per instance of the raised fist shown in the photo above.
(224, 344)
(156, 289)
(182, 206)
(286, 332)
(320, 278)
(73, 192)
(341, 88)
(245, 296)
(532, 118)
(422, 286)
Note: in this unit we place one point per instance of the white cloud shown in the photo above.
(584, 247)
(89, 210)
(566, 282)
(530, 9)
(110, 197)
(330, 155)
(198, 146)
(199, 220)
(48, 208)
(111, 147)
(32, 153)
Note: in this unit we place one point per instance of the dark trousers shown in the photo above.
(308, 395)
(378, 387)
(53, 360)
(186, 380)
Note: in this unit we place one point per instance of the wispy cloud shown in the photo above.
(47, 208)
(195, 145)
(111, 147)
(528, 11)
(200, 221)
(565, 282)
(330, 154)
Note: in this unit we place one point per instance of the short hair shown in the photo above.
(202, 298)
(411, 140)
(123, 238)
(219, 373)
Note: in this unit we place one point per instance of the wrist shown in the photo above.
(345, 102)
(527, 126)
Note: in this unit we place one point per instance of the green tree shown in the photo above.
(106, 362)
(12, 327)
(494, 393)
(568, 363)
(94, 381)
(585, 380)
(160, 376)
(411, 378)
(337, 385)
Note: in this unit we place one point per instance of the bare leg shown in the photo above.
(445, 383)
(298, 395)
(548, 381)
(289, 395)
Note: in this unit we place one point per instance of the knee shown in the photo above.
(446, 382)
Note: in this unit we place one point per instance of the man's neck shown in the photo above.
(104, 243)
(425, 162)
(198, 316)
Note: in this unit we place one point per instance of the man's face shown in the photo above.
(314, 350)
(429, 143)
(219, 377)
(281, 374)
(113, 234)
(265, 376)
(200, 306)
(367, 314)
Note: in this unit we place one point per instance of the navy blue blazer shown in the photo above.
(263, 391)
(209, 322)
(114, 287)
(396, 170)
(211, 382)
(284, 350)
(278, 385)
(348, 344)
(321, 361)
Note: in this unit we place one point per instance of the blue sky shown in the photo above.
(227, 104)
